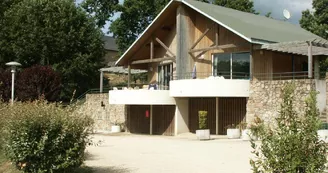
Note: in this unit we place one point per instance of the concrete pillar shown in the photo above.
(316, 67)
(101, 81)
(181, 116)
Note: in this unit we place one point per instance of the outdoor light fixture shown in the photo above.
(13, 66)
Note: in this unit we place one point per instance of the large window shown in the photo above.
(231, 65)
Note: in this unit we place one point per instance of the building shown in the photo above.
(111, 51)
(229, 63)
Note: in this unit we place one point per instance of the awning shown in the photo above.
(319, 47)
(121, 70)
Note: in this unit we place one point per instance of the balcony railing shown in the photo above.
(287, 75)
(208, 75)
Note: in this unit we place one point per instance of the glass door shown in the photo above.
(164, 76)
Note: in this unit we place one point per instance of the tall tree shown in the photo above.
(241, 5)
(316, 21)
(56, 33)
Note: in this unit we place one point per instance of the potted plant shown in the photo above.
(233, 131)
(323, 132)
(203, 133)
(116, 123)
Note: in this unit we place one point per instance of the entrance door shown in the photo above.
(163, 120)
(164, 76)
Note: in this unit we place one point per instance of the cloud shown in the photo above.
(277, 6)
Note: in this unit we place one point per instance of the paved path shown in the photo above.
(157, 154)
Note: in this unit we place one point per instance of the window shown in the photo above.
(232, 65)
(164, 76)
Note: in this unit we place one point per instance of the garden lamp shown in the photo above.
(13, 66)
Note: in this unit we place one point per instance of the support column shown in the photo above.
(101, 81)
(151, 120)
(129, 75)
(316, 67)
(217, 114)
(251, 68)
(310, 59)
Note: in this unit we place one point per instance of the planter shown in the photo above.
(116, 129)
(203, 134)
(233, 133)
(323, 135)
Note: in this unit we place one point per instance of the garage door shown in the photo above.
(163, 120)
(137, 121)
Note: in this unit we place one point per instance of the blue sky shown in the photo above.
(264, 6)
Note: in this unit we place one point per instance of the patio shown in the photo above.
(148, 154)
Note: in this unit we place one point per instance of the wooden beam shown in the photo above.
(200, 38)
(310, 58)
(227, 46)
(129, 75)
(164, 46)
(152, 48)
(145, 61)
(251, 63)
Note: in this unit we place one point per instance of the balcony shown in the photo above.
(204, 85)
(144, 96)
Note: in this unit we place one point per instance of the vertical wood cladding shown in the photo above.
(163, 120)
(202, 104)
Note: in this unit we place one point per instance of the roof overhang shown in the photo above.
(121, 70)
(319, 47)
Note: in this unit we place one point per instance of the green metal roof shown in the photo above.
(254, 28)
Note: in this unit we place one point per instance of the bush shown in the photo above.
(43, 137)
(202, 115)
(293, 145)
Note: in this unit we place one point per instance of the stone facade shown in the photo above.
(265, 97)
(104, 115)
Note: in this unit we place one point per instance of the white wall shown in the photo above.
(209, 88)
(181, 115)
(321, 97)
(140, 97)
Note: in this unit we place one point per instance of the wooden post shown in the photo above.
(151, 120)
(101, 89)
(251, 65)
(129, 75)
(216, 35)
(310, 58)
(217, 115)
(152, 48)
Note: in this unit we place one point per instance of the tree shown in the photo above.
(38, 81)
(5, 85)
(293, 144)
(101, 9)
(56, 33)
(241, 5)
(316, 21)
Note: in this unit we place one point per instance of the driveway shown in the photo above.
(156, 154)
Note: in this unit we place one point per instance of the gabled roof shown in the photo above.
(253, 28)
(109, 43)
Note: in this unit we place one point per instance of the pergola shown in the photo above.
(117, 70)
(308, 48)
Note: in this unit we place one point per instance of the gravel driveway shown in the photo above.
(155, 154)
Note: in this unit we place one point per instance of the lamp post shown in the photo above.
(13, 66)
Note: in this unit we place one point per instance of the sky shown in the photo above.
(276, 7)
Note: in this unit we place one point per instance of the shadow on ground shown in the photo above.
(112, 169)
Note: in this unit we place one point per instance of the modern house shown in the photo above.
(230, 63)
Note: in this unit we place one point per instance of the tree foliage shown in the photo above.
(293, 145)
(56, 33)
(316, 21)
(241, 5)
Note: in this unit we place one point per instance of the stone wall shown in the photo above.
(265, 97)
(104, 115)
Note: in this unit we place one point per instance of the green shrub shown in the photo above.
(324, 126)
(292, 146)
(202, 115)
(45, 137)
